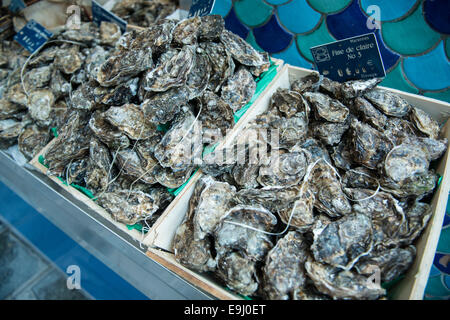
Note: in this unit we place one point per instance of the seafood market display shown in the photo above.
(320, 196)
(132, 112)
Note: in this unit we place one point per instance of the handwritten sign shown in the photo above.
(201, 8)
(350, 59)
(33, 36)
(100, 14)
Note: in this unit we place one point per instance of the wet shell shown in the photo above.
(284, 170)
(98, 172)
(211, 27)
(128, 206)
(327, 108)
(38, 77)
(109, 33)
(425, 123)
(129, 163)
(289, 102)
(342, 284)
(186, 31)
(198, 78)
(169, 178)
(404, 161)
(306, 84)
(130, 119)
(389, 103)
(239, 89)
(9, 109)
(10, 129)
(69, 60)
(369, 113)
(221, 62)
(40, 103)
(108, 134)
(356, 88)
(283, 272)
(32, 140)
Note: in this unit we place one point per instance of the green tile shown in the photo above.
(252, 12)
(318, 37)
(411, 35)
(395, 79)
(443, 96)
(329, 6)
(435, 287)
(447, 47)
(444, 241)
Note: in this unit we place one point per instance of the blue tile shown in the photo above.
(442, 262)
(97, 279)
(389, 9)
(293, 57)
(437, 14)
(436, 65)
(352, 22)
(289, 15)
(434, 271)
(272, 37)
(233, 24)
(222, 7)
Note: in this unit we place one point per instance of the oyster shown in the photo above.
(186, 31)
(253, 244)
(284, 169)
(417, 185)
(211, 27)
(342, 284)
(369, 145)
(238, 272)
(239, 89)
(216, 114)
(389, 103)
(122, 94)
(98, 172)
(163, 106)
(129, 162)
(289, 102)
(283, 271)
(221, 62)
(356, 88)
(128, 206)
(75, 172)
(404, 161)
(198, 78)
(10, 129)
(88, 96)
(69, 60)
(59, 85)
(425, 123)
(181, 146)
(38, 77)
(326, 108)
(108, 134)
(301, 215)
(169, 178)
(213, 204)
(32, 140)
(15, 94)
(130, 119)
(192, 253)
(109, 33)
(369, 113)
(10, 109)
(172, 72)
(329, 133)
(243, 52)
(308, 83)
(40, 103)
(392, 262)
(343, 242)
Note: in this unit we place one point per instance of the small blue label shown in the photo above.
(33, 36)
(350, 59)
(16, 5)
(201, 8)
(100, 14)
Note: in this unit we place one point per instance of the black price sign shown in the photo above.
(350, 59)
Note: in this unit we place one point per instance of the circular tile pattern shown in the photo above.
(389, 9)
(437, 14)
(289, 16)
(329, 6)
(259, 9)
(271, 36)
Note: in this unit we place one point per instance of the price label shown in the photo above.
(16, 5)
(100, 14)
(33, 36)
(201, 8)
(350, 59)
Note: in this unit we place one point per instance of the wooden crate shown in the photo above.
(411, 287)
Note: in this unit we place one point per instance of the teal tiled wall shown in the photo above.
(414, 35)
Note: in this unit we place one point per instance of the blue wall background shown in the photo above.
(413, 39)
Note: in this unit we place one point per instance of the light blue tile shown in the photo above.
(298, 17)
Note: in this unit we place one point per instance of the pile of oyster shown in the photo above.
(329, 196)
(140, 114)
(144, 13)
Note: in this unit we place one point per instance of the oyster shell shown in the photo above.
(10, 129)
(213, 204)
(329, 133)
(342, 284)
(128, 206)
(389, 103)
(283, 273)
(109, 33)
(221, 62)
(10, 109)
(163, 106)
(253, 244)
(171, 179)
(198, 78)
(32, 140)
(239, 89)
(342, 242)
(307, 83)
(186, 31)
(38, 77)
(243, 52)
(404, 161)
(211, 27)
(326, 108)
(356, 88)
(284, 169)
(130, 119)
(369, 113)
(69, 60)
(98, 169)
(108, 134)
(75, 172)
(425, 123)
(289, 102)
(129, 162)
(216, 114)
(238, 272)
(181, 146)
